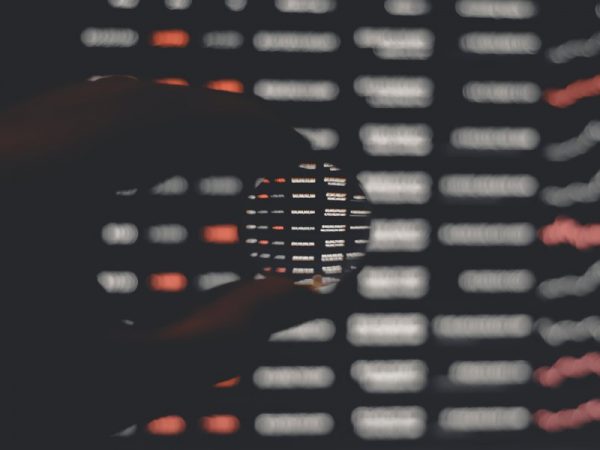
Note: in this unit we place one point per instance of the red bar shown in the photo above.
(220, 234)
(567, 367)
(173, 81)
(225, 384)
(226, 85)
(568, 418)
(166, 426)
(167, 282)
(565, 230)
(170, 38)
(220, 424)
(572, 93)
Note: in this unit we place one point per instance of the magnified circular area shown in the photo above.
(312, 226)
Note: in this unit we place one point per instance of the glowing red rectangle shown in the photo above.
(573, 92)
(167, 282)
(567, 367)
(565, 230)
(226, 85)
(220, 234)
(220, 424)
(568, 418)
(173, 81)
(166, 426)
(170, 38)
(225, 384)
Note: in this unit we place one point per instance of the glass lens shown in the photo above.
(312, 226)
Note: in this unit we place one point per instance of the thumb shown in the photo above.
(173, 367)
(258, 308)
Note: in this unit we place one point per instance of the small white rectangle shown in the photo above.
(293, 377)
(496, 281)
(320, 138)
(401, 139)
(396, 187)
(389, 422)
(390, 376)
(396, 43)
(517, 234)
(223, 40)
(487, 418)
(306, 6)
(394, 91)
(118, 282)
(109, 37)
(296, 41)
(317, 330)
(483, 326)
(391, 235)
(393, 282)
(394, 329)
(170, 233)
(495, 138)
(500, 43)
(211, 280)
(497, 9)
(488, 186)
(502, 92)
(294, 424)
(482, 373)
(297, 90)
(409, 8)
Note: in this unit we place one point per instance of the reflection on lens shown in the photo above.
(312, 226)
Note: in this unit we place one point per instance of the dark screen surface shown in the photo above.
(473, 128)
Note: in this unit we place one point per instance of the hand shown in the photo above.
(62, 156)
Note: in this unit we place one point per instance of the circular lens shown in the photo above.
(312, 226)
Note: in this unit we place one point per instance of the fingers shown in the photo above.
(120, 131)
(251, 308)
(174, 367)
(98, 137)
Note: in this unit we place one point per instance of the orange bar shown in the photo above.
(220, 234)
(567, 367)
(231, 382)
(167, 282)
(568, 418)
(170, 38)
(166, 426)
(226, 85)
(574, 92)
(278, 227)
(279, 180)
(173, 81)
(565, 230)
(220, 424)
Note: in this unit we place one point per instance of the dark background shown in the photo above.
(42, 49)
